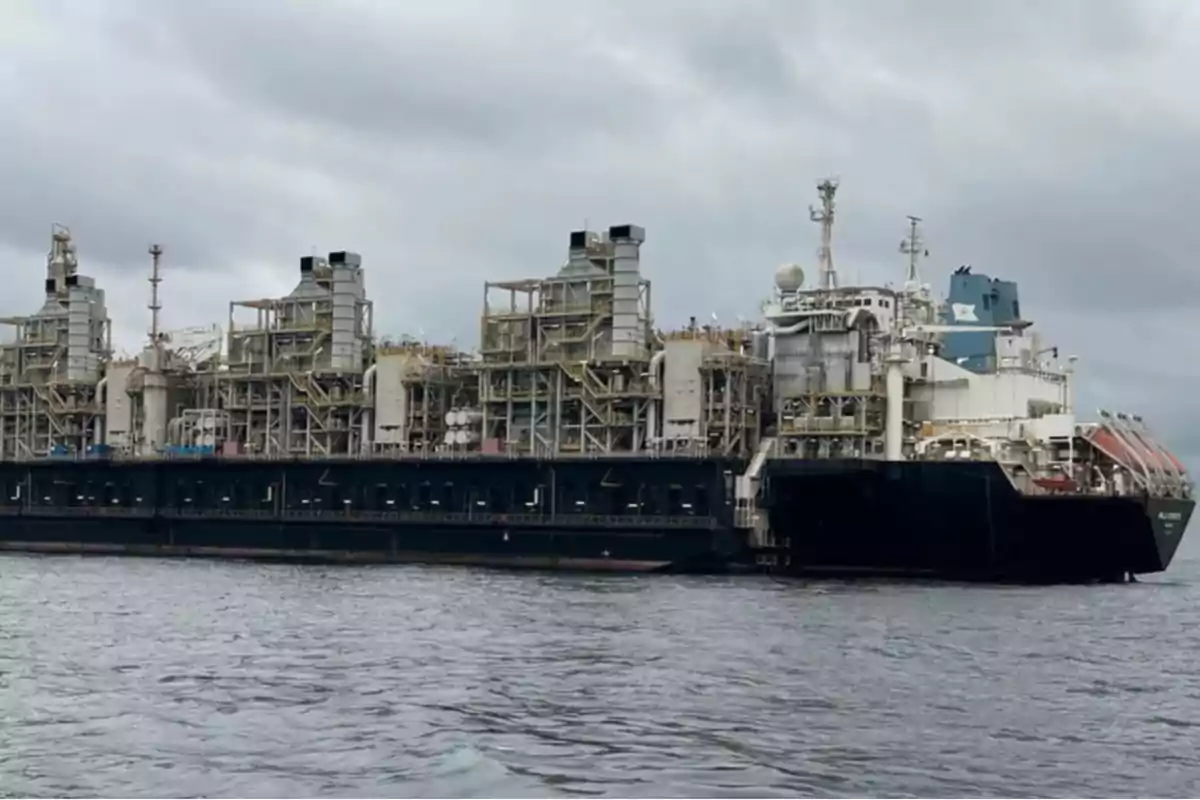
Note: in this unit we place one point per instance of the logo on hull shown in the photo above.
(964, 312)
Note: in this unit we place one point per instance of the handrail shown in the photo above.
(384, 456)
(353, 517)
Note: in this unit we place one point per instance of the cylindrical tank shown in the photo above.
(465, 437)
(452, 416)
(760, 344)
(469, 416)
(449, 438)
(894, 414)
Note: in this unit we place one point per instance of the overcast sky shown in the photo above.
(1054, 143)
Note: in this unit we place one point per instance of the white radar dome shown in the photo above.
(789, 278)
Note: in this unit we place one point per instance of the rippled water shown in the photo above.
(138, 678)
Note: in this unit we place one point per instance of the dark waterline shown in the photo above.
(140, 678)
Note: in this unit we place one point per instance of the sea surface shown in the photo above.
(144, 678)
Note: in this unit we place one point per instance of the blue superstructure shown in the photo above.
(976, 299)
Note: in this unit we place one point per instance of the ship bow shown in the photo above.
(1169, 519)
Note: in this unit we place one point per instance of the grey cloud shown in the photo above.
(487, 78)
(123, 155)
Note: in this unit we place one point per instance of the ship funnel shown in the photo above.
(579, 259)
(628, 334)
(307, 287)
(347, 291)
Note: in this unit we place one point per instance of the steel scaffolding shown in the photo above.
(731, 390)
(418, 390)
(293, 381)
(564, 359)
(52, 363)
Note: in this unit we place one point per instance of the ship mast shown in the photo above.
(914, 248)
(155, 279)
(827, 189)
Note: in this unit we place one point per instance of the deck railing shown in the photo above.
(368, 517)
(424, 455)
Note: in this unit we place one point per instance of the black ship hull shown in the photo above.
(849, 518)
(960, 520)
(623, 514)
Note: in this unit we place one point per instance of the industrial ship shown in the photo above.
(855, 430)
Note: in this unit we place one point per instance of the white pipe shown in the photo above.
(369, 414)
(775, 330)
(789, 329)
(101, 418)
(807, 314)
(894, 428)
(1069, 409)
(656, 367)
(656, 362)
(1069, 385)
